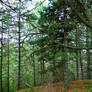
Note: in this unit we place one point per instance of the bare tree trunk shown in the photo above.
(8, 63)
(43, 66)
(19, 65)
(34, 69)
(81, 64)
(88, 55)
(41, 71)
(77, 63)
(66, 73)
(1, 88)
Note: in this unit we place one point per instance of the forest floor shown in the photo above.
(75, 86)
(80, 86)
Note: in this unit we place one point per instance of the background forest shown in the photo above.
(43, 42)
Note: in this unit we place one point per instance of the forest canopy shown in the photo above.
(43, 42)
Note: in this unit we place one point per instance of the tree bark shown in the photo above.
(77, 63)
(1, 89)
(88, 56)
(34, 69)
(8, 64)
(19, 50)
(81, 64)
(66, 73)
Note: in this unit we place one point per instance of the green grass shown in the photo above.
(88, 83)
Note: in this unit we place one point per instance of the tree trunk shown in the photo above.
(19, 43)
(41, 71)
(81, 64)
(66, 73)
(1, 89)
(88, 55)
(34, 69)
(77, 64)
(8, 63)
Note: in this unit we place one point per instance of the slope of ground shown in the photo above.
(75, 86)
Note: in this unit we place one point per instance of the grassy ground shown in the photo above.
(75, 86)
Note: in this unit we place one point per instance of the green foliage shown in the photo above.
(54, 43)
(28, 0)
(40, 41)
(60, 55)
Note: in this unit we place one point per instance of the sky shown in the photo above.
(29, 4)
(32, 5)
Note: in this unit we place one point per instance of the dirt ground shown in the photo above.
(75, 86)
